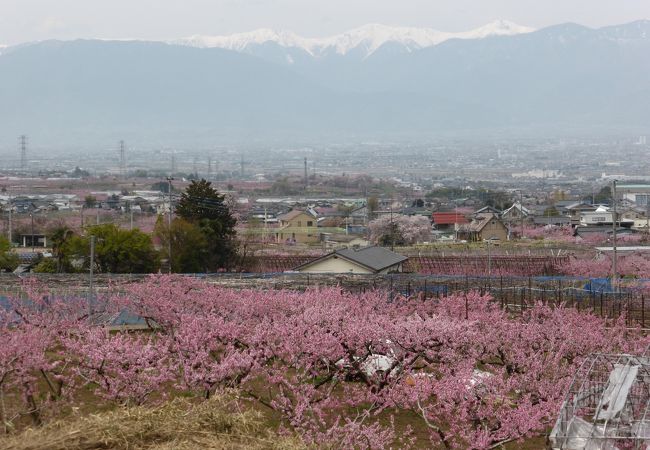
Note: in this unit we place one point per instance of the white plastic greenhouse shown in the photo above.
(607, 406)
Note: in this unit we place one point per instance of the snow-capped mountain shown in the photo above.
(368, 38)
(565, 77)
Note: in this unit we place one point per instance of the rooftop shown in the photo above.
(374, 258)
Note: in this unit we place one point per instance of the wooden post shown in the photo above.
(593, 301)
(642, 311)
(601, 303)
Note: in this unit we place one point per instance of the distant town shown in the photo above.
(314, 200)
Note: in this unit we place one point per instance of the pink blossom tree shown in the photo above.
(400, 230)
(124, 368)
(332, 365)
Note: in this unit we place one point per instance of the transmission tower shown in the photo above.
(209, 167)
(122, 159)
(306, 175)
(22, 142)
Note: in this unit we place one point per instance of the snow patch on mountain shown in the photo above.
(369, 38)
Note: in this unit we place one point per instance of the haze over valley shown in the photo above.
(376, 81)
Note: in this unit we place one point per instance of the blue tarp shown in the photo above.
(598, 285)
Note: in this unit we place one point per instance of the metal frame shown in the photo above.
(629, 429)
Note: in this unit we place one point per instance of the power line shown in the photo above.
(211, 205)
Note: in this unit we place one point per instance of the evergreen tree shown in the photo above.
(203, 206)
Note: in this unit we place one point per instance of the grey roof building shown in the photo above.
(362, 260)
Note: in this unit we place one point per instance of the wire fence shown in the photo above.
(514, 293)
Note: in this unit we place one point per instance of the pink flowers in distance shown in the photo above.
(335, 367)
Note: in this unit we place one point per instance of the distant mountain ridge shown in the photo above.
(367, 38)
(560, 78)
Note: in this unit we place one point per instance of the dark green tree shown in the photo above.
(551, 211)
(603, 196)
(372, 207)
(162, 186)
(189, 245)
(116, 250)
(59, 238)
(47, 265)
(8, 259)
(203, 206)
(90, 201)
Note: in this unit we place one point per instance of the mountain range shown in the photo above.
(362, 41)
(373, 81)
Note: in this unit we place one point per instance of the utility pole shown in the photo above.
(90, 271)
(131, 213)
(169, 224)
(521, 205)
(489, 241)
(10, 221)
(306, 175)
(647, 214)
(23, 152)
(265, 224)
(392, 228)
(31, 216)
(615, 257)
(81, 218)
(122, 159)
(209, 167)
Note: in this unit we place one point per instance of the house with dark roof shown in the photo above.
(558, 221)
(575, 209)
(486, 210)
(516, 212)
(585, 232)
(483, 228)
(367, 260)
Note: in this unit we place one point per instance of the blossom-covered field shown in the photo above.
(333, 368)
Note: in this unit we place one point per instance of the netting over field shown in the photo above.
(607, 405)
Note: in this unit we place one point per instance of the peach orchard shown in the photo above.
(335, 368)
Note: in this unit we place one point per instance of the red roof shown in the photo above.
(448, 218)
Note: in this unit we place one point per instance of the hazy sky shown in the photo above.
(27, 20)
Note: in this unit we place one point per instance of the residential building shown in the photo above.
(483, 228)
(516, 212)
(448, 221)
(602, 216)
(575, 210)
(298, 227)
(486, 210)
(368, 260)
